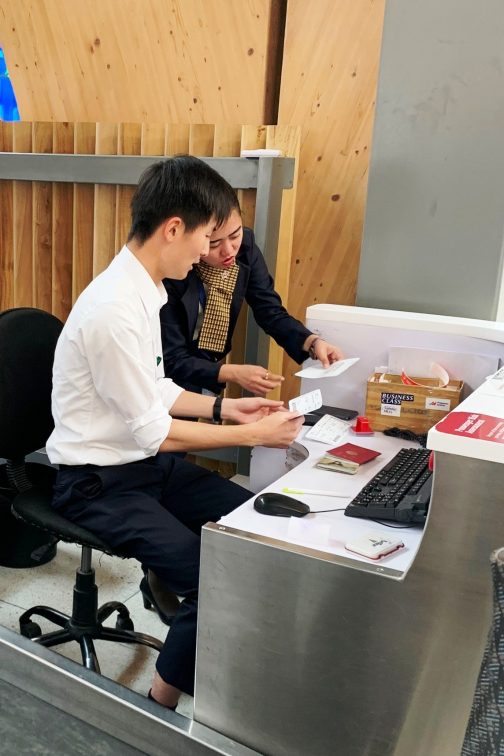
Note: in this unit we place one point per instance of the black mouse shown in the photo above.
(277, 504)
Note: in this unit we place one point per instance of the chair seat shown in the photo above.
(34, 506)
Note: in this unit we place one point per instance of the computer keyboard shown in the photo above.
(400, 491)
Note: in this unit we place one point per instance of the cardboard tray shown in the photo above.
(394, 404)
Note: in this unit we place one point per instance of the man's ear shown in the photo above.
(173, 228)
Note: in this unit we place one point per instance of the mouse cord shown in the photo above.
(380, 522)
(394, 527)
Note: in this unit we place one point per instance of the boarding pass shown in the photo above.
(328, 430)
(306, 402)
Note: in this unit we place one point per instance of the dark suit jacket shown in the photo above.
(195, 368)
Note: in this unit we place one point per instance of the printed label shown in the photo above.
(431, 402)
(392, 398)
(391, 409)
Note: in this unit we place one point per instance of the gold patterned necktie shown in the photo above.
(221, 285)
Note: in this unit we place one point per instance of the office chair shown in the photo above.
(27, 342)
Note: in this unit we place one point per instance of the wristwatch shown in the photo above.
(216, 413)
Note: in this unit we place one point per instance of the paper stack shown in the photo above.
(346, 458)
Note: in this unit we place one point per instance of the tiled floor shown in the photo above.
(118, 580)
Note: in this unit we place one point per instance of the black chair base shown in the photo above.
(85, 624)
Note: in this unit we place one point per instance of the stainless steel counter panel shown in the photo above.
(305, 653)
(59, 698)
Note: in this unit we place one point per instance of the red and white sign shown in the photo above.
(473, 425)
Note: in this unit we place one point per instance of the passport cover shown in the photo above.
(359, 455)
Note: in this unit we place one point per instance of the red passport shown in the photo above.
(353, 453)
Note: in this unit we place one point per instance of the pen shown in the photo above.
(316, 492)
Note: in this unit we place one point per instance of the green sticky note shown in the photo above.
(158, 360)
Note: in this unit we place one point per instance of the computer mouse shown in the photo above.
(279, 505)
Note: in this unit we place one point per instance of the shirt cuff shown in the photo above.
(169, 391)
(150, 429)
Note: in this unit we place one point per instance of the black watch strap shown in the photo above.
(311, 348)
(216, 414)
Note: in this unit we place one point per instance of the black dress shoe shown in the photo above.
(155, 596)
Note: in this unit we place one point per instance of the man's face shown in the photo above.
(225, 242)
(190, 247)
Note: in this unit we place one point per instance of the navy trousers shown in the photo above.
(153, 510)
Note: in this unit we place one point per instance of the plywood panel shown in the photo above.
(227, 140)
(83, 214)
(186, 61)
(329, 75)
(42, 224)
(286, 139)
(177, 139)
(105, 198)
(6, 237)
(130, 138)
(253, 138)
(201, 140)
(62, 228)
(22, 222)
(153, 139)
(226, 143)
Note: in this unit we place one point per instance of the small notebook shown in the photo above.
(346, 458)
(353, 453)
(335, 465)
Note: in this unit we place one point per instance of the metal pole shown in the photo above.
(273, 176)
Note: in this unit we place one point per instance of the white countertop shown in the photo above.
(421, 321)
(475, 428)
(329, 531)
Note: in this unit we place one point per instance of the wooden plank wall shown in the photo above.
(55, 237)
(206, 62)
(329, 75)
(158, 61)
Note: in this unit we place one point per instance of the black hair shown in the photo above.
(182, 186)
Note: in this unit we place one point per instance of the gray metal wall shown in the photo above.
(435, 211)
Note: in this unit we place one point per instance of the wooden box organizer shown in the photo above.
(390, 403)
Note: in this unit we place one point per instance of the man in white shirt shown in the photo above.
(114, 410)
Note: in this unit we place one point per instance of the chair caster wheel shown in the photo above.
(30, 630)
(124, 623)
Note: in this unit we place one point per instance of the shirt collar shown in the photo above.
(153, 295)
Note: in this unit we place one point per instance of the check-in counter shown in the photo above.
(304, 648)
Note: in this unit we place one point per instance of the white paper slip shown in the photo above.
(306, 402)
(317, 371)
(328, 430)
(313, 531)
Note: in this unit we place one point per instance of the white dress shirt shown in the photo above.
(110, 398)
